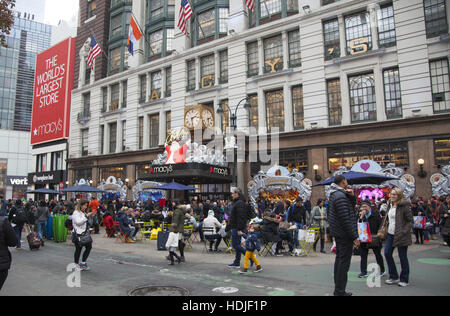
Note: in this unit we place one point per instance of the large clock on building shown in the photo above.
(198, 116)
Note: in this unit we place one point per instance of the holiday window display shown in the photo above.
(114, 189)
(440, 182)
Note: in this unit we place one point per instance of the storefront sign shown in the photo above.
(359, 46)
(220, 171)
(272, 63)
(45, 177)
(207, 81)
(161, 169)
(52, 93)
(16, 180)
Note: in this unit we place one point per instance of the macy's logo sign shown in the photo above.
(49, 128)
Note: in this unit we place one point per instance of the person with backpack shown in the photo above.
(42, 215)
(18, 218)
(8, 238)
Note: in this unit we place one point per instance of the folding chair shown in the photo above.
(188, 232)
(207, 231)
(307, 240)
(146, 231)
(227, 241)
(122, 237)
(165, 226)
(266, 247)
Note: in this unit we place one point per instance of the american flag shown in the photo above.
(93, 52)
(250, 4)
(185, 14)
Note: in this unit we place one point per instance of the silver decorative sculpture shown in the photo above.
(440, 182)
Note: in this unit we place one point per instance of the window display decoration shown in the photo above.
(142, 191)
(115, 188)
(440, 182)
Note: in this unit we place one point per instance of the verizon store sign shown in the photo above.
(16, 181)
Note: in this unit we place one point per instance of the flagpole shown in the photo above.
(103, 52)
(142, 31)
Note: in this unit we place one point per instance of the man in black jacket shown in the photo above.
(298, 218)
(344, 229)
(237, 224)
(8, 238)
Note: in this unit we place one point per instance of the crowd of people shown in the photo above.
(275, 221)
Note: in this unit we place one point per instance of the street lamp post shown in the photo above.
(233, 126)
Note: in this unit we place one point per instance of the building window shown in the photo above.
(115, 56)
(168, 123)
(357, 31)
(386, 26)
(440, 85)
(104, 99)
(102, 139)
(116, 172)
(297, 105)
(169, 42)
(253, 117)
(57, 161)
(124, 93)
(295, 59)
(116, 26)
(207, 67)
(332, 44)
(87, 74)
(334, 102)
(168, 82)
(156, 8)
(392, 93)
(275, 110)
(92, 8)
(84, 142)
(269, 8)
(41, 163)
(154, 130)
(124, 141)
(382, 153)
(223, 61)
(190, 75)
(442, 152)
(86, 104)
(156, 43)
(142, 88)
(141, 133)
(112, 137)
(115, 94)
(325, 2)
(252, 59)
(273, 54)
(435, 17)
(156, 84)
(363, 104)
(206, 24)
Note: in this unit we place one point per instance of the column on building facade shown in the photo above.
(260, 56)
(178, 92)
(162, 126)
(163, 82)
(288, 108)
(216, 68)
(180, 41)
(373, 12)
(413, 57)
(108, 104)
(197, 73)
(379, 92)
(146, 143)
(106, 139)
(118, 137)
(342, 37)
(238, 18)
(262, 118)
(95, 176)
(285, 41)
(345, 99)
(148, 91)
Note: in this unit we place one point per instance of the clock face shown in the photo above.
(192, 118)
(208, 120)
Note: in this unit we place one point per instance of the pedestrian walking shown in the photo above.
(373, 217)
(237, 224)
(18, 218)
(179, 215)
(400, 222)
(444, 221)
(42, 215)
(319, 218)
(417, 210)
(8, 238)
(251, 245)
(343, 228)
(172, 243)
(80, 235)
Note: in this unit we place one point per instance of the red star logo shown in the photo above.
(211, 169)
(151, 170)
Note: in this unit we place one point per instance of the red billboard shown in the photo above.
(53, 84)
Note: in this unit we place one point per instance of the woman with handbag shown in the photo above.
(81, 236)
(397, 231)
(373, 218)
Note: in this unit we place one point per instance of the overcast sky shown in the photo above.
(56, 10)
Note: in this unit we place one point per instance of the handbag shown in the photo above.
(382, 232)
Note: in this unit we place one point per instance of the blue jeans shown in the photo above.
(41, 227)
(18, 230)
(403, 255)
(299, 226)
(236, 244)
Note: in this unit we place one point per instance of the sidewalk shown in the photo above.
(198, 254)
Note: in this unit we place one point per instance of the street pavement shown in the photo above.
(116, 269)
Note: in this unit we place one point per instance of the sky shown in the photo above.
(56, 10)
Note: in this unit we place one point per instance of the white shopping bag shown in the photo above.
(302, 234)
(311, 237)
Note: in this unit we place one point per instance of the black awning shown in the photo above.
(188, 174)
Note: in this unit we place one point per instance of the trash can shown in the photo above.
(59, 229)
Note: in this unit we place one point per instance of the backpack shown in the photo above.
(20, 217)
(250, 212)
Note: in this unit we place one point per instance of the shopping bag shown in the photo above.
(419, 222)
(333, 248)
(302, 234)
(154, 235)
(364, 232)
(310, 237)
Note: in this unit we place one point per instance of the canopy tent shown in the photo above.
(175, 186)
(82, 189)
(354, 177)
(44, 191)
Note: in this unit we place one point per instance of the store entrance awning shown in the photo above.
(188, 174)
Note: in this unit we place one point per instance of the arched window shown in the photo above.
(363, 104)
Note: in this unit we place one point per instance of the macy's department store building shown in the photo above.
(342, 82)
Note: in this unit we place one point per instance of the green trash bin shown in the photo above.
(59, 229)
